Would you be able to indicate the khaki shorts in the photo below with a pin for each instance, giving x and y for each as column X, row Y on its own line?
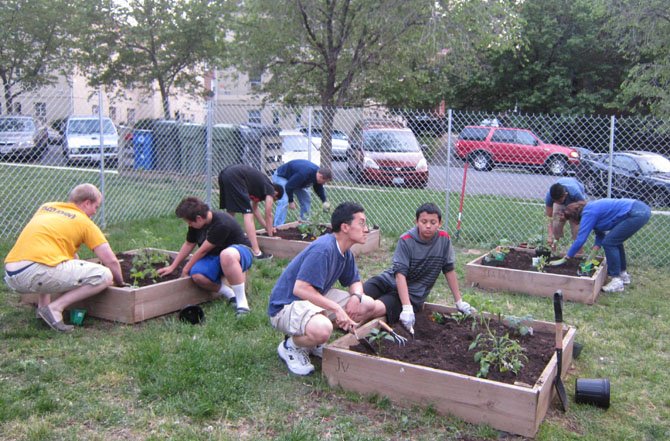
column 293, row 318
column 64, row 277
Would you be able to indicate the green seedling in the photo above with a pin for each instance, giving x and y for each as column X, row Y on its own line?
column 500, row 352
column 377, row 337
column 518, row 326
column 438, row 317
column 145, row 264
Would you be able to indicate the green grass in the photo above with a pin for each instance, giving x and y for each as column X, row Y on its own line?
column 163, row 379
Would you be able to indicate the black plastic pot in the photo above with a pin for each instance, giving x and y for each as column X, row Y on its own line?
column 594, row 391
column 546, row 252
column 192, row 314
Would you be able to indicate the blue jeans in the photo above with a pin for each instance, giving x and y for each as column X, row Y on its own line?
column 638, row 215
column 303, row 196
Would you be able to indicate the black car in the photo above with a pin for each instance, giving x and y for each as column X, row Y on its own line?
column 635, row 174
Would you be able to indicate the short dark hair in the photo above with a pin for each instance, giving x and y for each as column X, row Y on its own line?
column 326, row 173
column 279, row 190
column 190, row 208
column 557, row 191
column 429, row 208
column 344, row 214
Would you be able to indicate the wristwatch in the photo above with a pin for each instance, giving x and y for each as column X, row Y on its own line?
column 359, row 295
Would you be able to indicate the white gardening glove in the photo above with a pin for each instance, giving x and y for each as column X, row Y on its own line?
column 326, row 206
column 407, row 317
column 464, row 307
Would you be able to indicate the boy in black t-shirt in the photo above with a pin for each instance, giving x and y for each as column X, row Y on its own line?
column 223, row 255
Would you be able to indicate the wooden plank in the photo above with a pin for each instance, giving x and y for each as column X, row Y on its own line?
column 512, row 408
column 133, row 305
column 576, row 289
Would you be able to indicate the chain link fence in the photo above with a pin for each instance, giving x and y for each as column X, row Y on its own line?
column 391, row 161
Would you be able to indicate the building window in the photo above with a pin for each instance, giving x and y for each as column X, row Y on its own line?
column 255, row 77
column 275, row 117
column 254, row 116
column 112, row 113
column 41, row 111
column 131, row 117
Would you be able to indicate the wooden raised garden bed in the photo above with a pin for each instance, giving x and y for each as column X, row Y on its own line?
column 136, row 304
column 289, row 248
column 515, row 408
column 575, row 288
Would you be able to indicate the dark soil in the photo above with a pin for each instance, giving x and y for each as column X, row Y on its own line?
column 522, row 260
column 445, row 346
column 126, row 261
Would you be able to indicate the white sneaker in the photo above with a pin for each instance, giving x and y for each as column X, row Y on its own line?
column 296, row 359
column 615, row 285
column 625, row 277
column 317, row 351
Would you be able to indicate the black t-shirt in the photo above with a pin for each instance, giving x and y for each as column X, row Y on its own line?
column 223, row 232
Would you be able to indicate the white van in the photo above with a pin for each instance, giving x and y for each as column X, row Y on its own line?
column 294, row 146
column 84, row 135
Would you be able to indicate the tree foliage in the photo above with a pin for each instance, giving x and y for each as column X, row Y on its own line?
column 153, row 43
column 34, row 43
column 642, row 28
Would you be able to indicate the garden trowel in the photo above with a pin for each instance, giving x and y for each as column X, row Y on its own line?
column 558, row 317
column 364, row 341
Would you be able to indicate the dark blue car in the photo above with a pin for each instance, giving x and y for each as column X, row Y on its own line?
column 635, row 174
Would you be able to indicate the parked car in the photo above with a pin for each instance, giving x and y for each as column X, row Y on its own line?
column 339, row 141
column 635, row 174
column 485, row 146
column 387, row 153
column 294, row 146
column 84, row 136
column 22, row 138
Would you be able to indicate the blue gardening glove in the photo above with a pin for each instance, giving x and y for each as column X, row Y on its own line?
column 407, row 317
column 558, row 262
column 464, row 307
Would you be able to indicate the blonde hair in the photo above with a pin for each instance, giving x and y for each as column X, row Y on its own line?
column 84, row 192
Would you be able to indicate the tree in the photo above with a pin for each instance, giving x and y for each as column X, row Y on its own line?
column 642, row 29
column 148, row 43
column 566, row 62
column 323, row 51
column 34, row 44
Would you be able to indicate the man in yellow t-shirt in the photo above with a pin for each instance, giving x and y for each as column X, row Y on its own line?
column 44, row 257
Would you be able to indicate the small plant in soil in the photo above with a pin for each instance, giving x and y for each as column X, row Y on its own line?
column 541, row 263
column 517, row 324
column 438, row 317
column 496, row 351
column 144, row 265
column 313, row 227
column 376, row 338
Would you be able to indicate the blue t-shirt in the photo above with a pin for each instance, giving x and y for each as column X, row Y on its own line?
column 600, row 216
column 575, row 191
column 321, row 265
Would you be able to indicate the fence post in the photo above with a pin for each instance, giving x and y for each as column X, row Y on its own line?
column 448, row 172
column 103, row 221
column 208, row 152
column 609, row 169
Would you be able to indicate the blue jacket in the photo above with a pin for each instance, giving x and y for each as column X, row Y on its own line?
column 600, row 216
column 300, row 173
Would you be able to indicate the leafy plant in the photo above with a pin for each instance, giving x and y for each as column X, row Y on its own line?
column 517, row 324
column 500, row 352
column 438, row 317
column 541, row 263
column 504, row 246
column 377, row 337
column 315, row 226
column 145, row 263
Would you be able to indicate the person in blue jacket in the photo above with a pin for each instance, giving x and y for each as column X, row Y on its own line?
column 613, row 221
column 296, row 177
column 562, row 193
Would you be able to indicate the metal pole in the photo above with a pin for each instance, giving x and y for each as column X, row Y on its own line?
column 309, row 134
column 448, row 171
column 609, row 169
column 208, row 152
column 101, row 130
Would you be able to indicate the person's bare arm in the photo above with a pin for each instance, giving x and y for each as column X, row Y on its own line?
column 403, row 289
column 268, row 216
column 305, row 291
column 183, row 253
column 202, row 251
column 108, row 258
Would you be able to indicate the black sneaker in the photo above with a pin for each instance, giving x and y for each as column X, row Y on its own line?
column 263, row 256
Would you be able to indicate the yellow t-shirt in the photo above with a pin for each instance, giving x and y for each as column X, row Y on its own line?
column 54, row 235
